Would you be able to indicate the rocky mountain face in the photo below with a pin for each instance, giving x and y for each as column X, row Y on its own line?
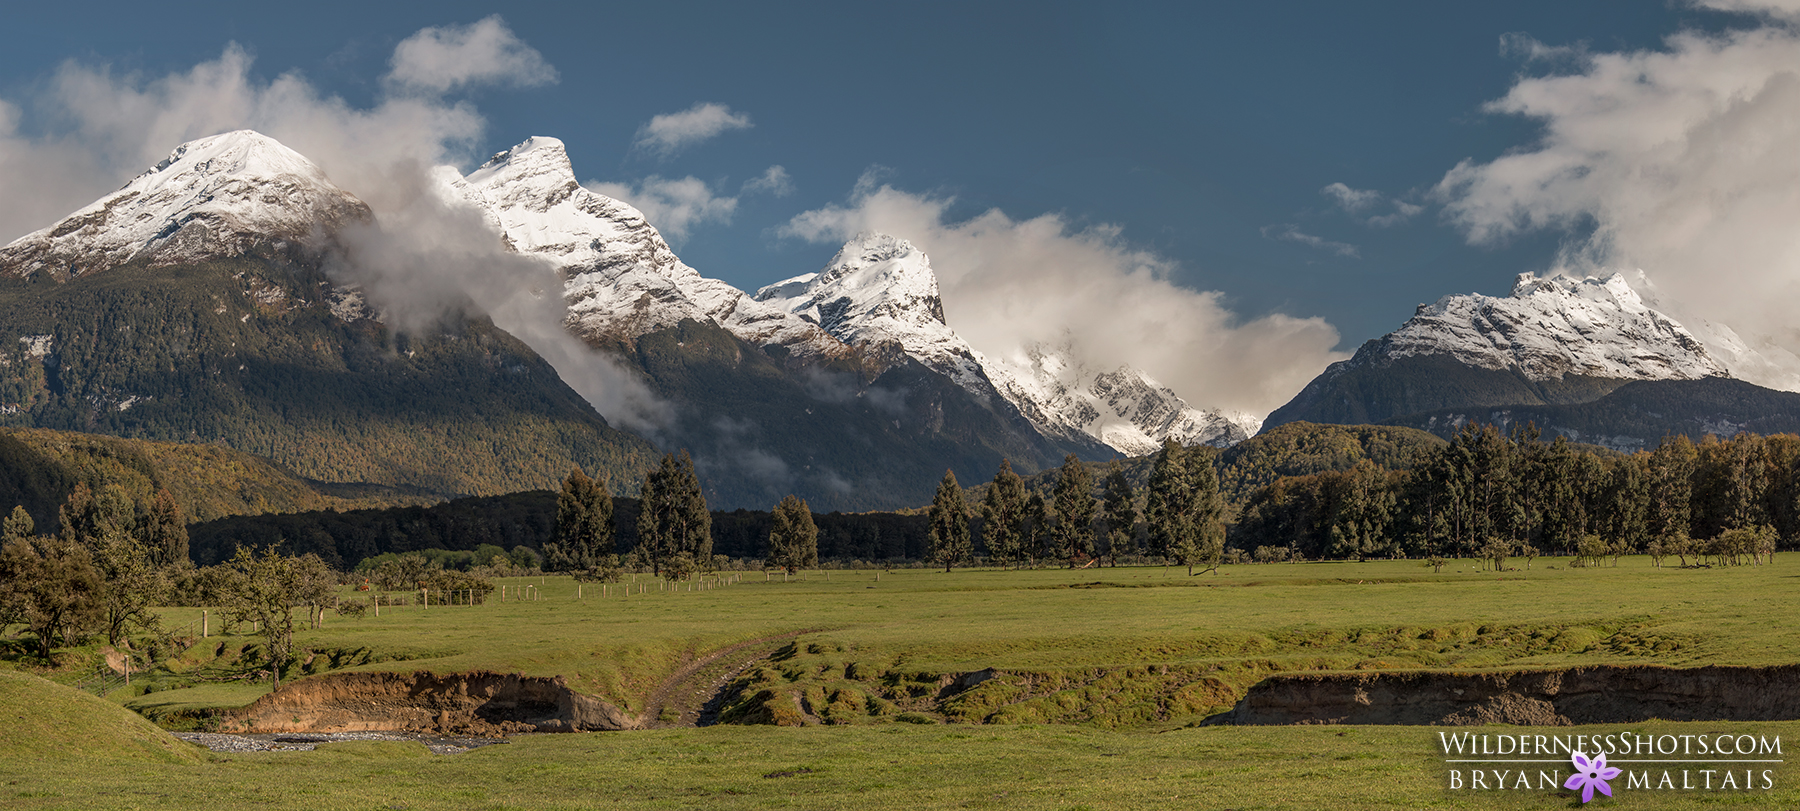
column 192, row 306
column 1553, row 341
column 879, row 294
column 621, row 279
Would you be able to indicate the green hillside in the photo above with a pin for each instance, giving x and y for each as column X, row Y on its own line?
column 39, row 468
column 247, row 353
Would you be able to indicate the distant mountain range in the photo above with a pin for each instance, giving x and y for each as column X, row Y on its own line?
column 194, row 305
column 1584, row 358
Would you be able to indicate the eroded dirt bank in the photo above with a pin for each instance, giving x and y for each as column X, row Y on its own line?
column 480, row 703
column 1585, row 695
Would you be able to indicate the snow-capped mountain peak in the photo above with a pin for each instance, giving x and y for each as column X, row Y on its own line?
column 621, row 279
column 1122, row 407
column 215, row 196
column 878, row 290
column 1551, row 327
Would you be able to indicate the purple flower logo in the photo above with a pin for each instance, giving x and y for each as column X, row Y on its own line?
column 1590, row 775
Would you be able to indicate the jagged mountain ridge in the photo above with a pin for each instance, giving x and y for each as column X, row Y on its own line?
column 880, row 291
column 621, row 278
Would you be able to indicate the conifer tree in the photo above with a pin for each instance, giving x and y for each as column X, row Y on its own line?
column 793, row 537
column 1034, row 534
column 949, row 521
column 1119, row 513
column 1208, row 511
column 1074, row 504
column 1003, row 515
column 164, row 531
column 673, row 522
column 584, row 531
column 1168, row 506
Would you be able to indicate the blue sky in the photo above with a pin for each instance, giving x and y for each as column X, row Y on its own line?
column 1206, row 133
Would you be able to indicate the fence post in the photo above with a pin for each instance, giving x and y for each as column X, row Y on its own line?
column 202, row 623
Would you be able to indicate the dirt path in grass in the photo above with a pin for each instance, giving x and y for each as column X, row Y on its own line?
column 695, row 692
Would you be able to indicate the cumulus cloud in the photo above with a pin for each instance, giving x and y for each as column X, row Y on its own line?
column 444, row 58
column 668, row 134
column 1683, row 160
column 774, row 181
column 99, row 128
column 1007, row 284
column 1289, row 232
column 1359, row 203
column 673, row 205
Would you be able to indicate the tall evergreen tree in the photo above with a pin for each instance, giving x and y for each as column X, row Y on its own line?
column 1003, row 515
column 1208, row 512
column 1073, row 500
column 1119, row 513
column 584, row 532
column 1168, row 506
column 949, row 520
column 164, row 532
column 674, row 526
column 1034, row 529
column 793, row 537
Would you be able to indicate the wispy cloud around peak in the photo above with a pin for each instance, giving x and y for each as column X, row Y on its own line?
column 668, row 134
column 673, row 205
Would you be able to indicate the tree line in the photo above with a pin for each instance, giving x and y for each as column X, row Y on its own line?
column 1182, row 516
column 1497, row 495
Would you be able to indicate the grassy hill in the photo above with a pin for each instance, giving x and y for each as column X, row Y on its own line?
column 261, row 355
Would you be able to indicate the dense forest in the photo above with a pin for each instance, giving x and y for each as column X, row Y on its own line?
column 1493, row 494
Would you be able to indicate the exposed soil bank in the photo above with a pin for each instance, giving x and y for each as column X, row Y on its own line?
column 1584, row 695
column 479, row 703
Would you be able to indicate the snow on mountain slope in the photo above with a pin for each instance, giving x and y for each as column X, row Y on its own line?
column 216, row 196
column 1123, row 408
column 880, row 290
column 1552, row 327
column 621, row 280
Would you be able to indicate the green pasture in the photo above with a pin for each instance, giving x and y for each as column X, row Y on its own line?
column 1107, row 672
column 900, row 766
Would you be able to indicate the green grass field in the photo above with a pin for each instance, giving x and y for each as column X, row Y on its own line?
column 1107, row 669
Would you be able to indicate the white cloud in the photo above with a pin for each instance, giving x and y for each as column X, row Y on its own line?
column 1289, row 232
column 444, row 58
column 668, row 134
column 1354, row 201
column 1682, row 160
column 1008, row 283
column 1359, row 202
column 673, row 205
column 774, row 181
